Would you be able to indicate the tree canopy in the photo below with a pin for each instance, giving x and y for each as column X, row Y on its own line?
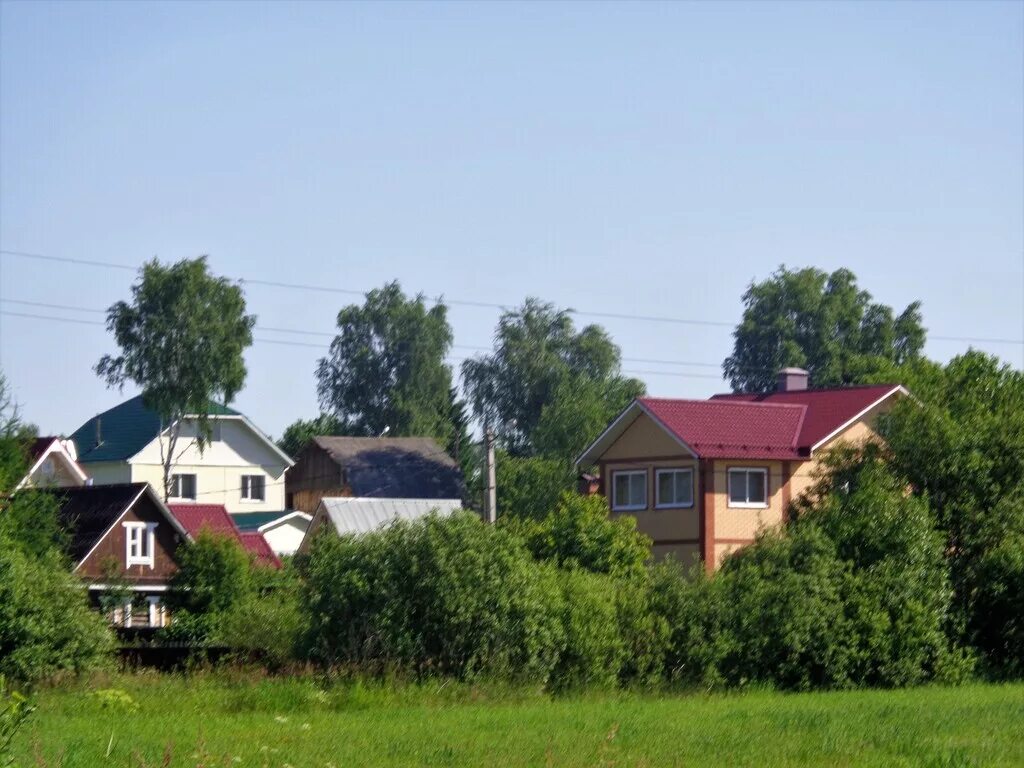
column 821, row 322
column 182, row 338
column 546, row 381
column 386, row 368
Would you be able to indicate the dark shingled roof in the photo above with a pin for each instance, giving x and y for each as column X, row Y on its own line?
column 395, row 467
column 124, row 430
column 87, row 512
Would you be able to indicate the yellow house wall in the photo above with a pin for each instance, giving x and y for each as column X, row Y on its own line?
column 645, row 446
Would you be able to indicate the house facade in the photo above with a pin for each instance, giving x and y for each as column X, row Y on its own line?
column 240, row 468
column 122, row 540
column 372, row 467
column 52, row 464
column 702, row 477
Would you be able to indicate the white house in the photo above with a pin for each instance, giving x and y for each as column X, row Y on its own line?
column 240, row 468
column 52, row 464
column 283, row 532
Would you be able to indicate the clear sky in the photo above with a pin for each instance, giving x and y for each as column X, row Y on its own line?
column 648, row 159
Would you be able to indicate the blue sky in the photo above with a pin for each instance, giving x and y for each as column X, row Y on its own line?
column 634, row 158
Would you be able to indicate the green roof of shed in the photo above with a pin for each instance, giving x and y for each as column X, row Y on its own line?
column 251, row 521
column 124, row 430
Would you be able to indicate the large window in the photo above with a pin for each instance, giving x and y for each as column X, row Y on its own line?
column 629, row 490
column 748, row 487
column 140, row 541
column 674, row 487
column 183, row 487
column 254, row 487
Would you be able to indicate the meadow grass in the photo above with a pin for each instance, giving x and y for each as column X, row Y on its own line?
column 216, row 720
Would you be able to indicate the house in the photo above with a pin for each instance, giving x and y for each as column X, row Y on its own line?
column 353, row 515
column 52, row 463
column 240, row 468
column 122, row 539
column 283, row 531
column 372, row 467
column 703, row 476
column 214, row 518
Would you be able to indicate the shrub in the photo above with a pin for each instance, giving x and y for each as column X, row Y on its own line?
column 46, row 625
column 268, row 622
column 592, row 649
column 529, row 488
column 643, row 631
column 439, row 596
column 579, row 533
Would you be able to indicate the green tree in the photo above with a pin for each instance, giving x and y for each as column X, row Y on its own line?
column 530, row 487
column 301, row 432
column 46, row 625
column 386, row 368
column 214, row 574
column 538, row 351
column 823, row 323
column 181, row 337
column 579, row 410
column 961, row 444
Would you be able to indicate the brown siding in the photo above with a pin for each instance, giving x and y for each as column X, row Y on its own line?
column 314, row 470
column 113, row 548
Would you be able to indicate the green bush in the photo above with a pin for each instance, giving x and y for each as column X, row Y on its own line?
column 448, row 596
column 579, row 533
column 268, row 622
column 46, row 624
column 592, row 649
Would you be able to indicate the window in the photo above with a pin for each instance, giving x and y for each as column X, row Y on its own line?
column 748, row 487
column 254, row 487
column 140, row 541
column 629, row 490
column 675, row 488
column 183, row 487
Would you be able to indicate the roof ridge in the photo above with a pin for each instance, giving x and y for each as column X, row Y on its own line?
column 713, row 401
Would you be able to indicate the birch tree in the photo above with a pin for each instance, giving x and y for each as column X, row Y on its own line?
column 181, row 338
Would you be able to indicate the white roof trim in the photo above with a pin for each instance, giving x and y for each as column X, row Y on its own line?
column 900, row 389
column 56, row 446
column 148, row 489
column 237, row 417
column 283, row 519
column 615, row 430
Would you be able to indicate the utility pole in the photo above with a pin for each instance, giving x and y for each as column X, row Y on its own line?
column 491, row 498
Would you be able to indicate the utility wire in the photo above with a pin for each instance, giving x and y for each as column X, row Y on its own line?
column 467, row 303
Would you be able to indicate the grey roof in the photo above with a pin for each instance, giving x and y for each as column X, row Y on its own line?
column 361, row 515
column 395, row 467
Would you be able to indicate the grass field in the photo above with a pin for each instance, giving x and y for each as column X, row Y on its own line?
column 152, row 720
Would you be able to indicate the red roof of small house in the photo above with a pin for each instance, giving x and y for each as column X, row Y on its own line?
column 257, row 546
column 214, row 518
column 39, row 446
column 197, row 517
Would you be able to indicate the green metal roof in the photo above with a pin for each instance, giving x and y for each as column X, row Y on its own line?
column 250, row 521
column 124, row 430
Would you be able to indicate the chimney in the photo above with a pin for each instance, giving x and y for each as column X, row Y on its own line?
column 792, row 380
column 99, row 431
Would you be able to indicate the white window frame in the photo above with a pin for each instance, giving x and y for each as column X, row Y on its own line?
column 763, row 471
column 628, row 473
column 247, row 489
column 143, row 534
column 176, row 486
column 658, row 503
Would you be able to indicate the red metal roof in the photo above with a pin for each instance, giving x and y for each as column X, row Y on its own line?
column 214, row 518
column 256, row 545
column 196, row 517
column 778, row 425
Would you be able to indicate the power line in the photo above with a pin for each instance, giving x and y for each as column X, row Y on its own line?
column 468, row 303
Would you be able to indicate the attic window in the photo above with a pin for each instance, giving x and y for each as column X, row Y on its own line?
column 140, row 541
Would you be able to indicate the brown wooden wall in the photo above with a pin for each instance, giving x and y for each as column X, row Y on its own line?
column 314, row 470
column 114, row 546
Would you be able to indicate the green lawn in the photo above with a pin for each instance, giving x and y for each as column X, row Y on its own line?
column 211, row 721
